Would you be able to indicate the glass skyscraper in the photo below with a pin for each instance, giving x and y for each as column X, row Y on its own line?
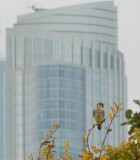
column 60, row 64
column 2, row 66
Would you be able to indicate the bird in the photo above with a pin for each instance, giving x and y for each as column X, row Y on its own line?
column 99, row 115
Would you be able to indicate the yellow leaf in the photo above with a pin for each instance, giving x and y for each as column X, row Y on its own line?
column 104, row 157
column 70, row 158
column 109, row 147
column 38, row 157
column 30, row 157
column 66, row 153
column 85, row 138
column 51, row 131
column 56, row 126
column 54, row 138
column 110, row 115
column 67, row 145
column 130, row 138
column 44, row 143
column 119, row 104
column 113, row 109
column 136, row 130
column 50, row 155
column 96, row 150
column 46, row 150
column 51, row 146
column 120, row 109
column 48, row 136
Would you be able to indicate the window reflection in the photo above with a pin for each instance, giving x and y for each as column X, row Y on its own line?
column 112, row 62
column 88, row 52
column 105, row 60
column 97, row 59
column 59, row 97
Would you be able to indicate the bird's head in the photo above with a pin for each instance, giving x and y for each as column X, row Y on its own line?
column 100, row 105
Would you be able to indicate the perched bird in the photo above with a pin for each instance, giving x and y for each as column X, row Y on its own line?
column 99, row 115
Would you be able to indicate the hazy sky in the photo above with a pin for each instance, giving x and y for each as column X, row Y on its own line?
column 128, row 32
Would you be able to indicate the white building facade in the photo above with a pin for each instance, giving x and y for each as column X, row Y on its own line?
column 60, row 64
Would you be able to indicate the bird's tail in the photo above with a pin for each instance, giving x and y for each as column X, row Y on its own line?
column 99, row 126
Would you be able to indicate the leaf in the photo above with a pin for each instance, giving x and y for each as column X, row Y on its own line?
column 124, row 123
column 30, row 157
column 56, row 126
column 38, row 158
column 113, row 109
column 130, row 138
column 51, row 131
column 66, row 153
column 50, row 155
column 104, row 157
column 137, row 101
column 96, row 150
column 67, row 145
column 109, row 130
column 109, row 147
column 131, row 130
column 119, row 105
column 44, row 143
column 128, row 113
column 85, row 138
column 110, row 115
column 120, row 109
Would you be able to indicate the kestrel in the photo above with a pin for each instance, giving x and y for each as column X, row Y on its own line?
column 99, row 115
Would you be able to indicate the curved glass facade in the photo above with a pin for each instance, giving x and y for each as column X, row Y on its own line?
column 60, row 97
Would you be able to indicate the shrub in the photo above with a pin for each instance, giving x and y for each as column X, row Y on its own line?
column 129, row 150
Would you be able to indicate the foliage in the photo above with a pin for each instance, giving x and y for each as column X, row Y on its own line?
column 133, row 119
column 125, row 151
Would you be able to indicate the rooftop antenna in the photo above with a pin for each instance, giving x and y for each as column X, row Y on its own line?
column 34, row 7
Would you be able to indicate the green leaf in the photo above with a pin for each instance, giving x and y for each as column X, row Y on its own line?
column 128, row 157
column 131, row 122
column 131, row 130
column 136, row 101
column 128, row 113
column 124, row 123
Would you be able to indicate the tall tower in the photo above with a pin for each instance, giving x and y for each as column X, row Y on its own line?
column 60, row 64
column 2, row 64
column 0, row 35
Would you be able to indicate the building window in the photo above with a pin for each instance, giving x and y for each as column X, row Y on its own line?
column 81, row 54
column 48, row 49
column 57, row 50
column 77, row 54
column 97, row 59
column 88, row 57
column 118, row 64
column 112, row 62
column 37, row 50
column 67, row 51
column 27, row 50
column 105, row 60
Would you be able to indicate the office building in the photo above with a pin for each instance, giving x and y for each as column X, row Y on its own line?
column 60, row 64
column 2, row 65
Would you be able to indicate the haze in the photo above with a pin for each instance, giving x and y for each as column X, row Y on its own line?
column 128, row 32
